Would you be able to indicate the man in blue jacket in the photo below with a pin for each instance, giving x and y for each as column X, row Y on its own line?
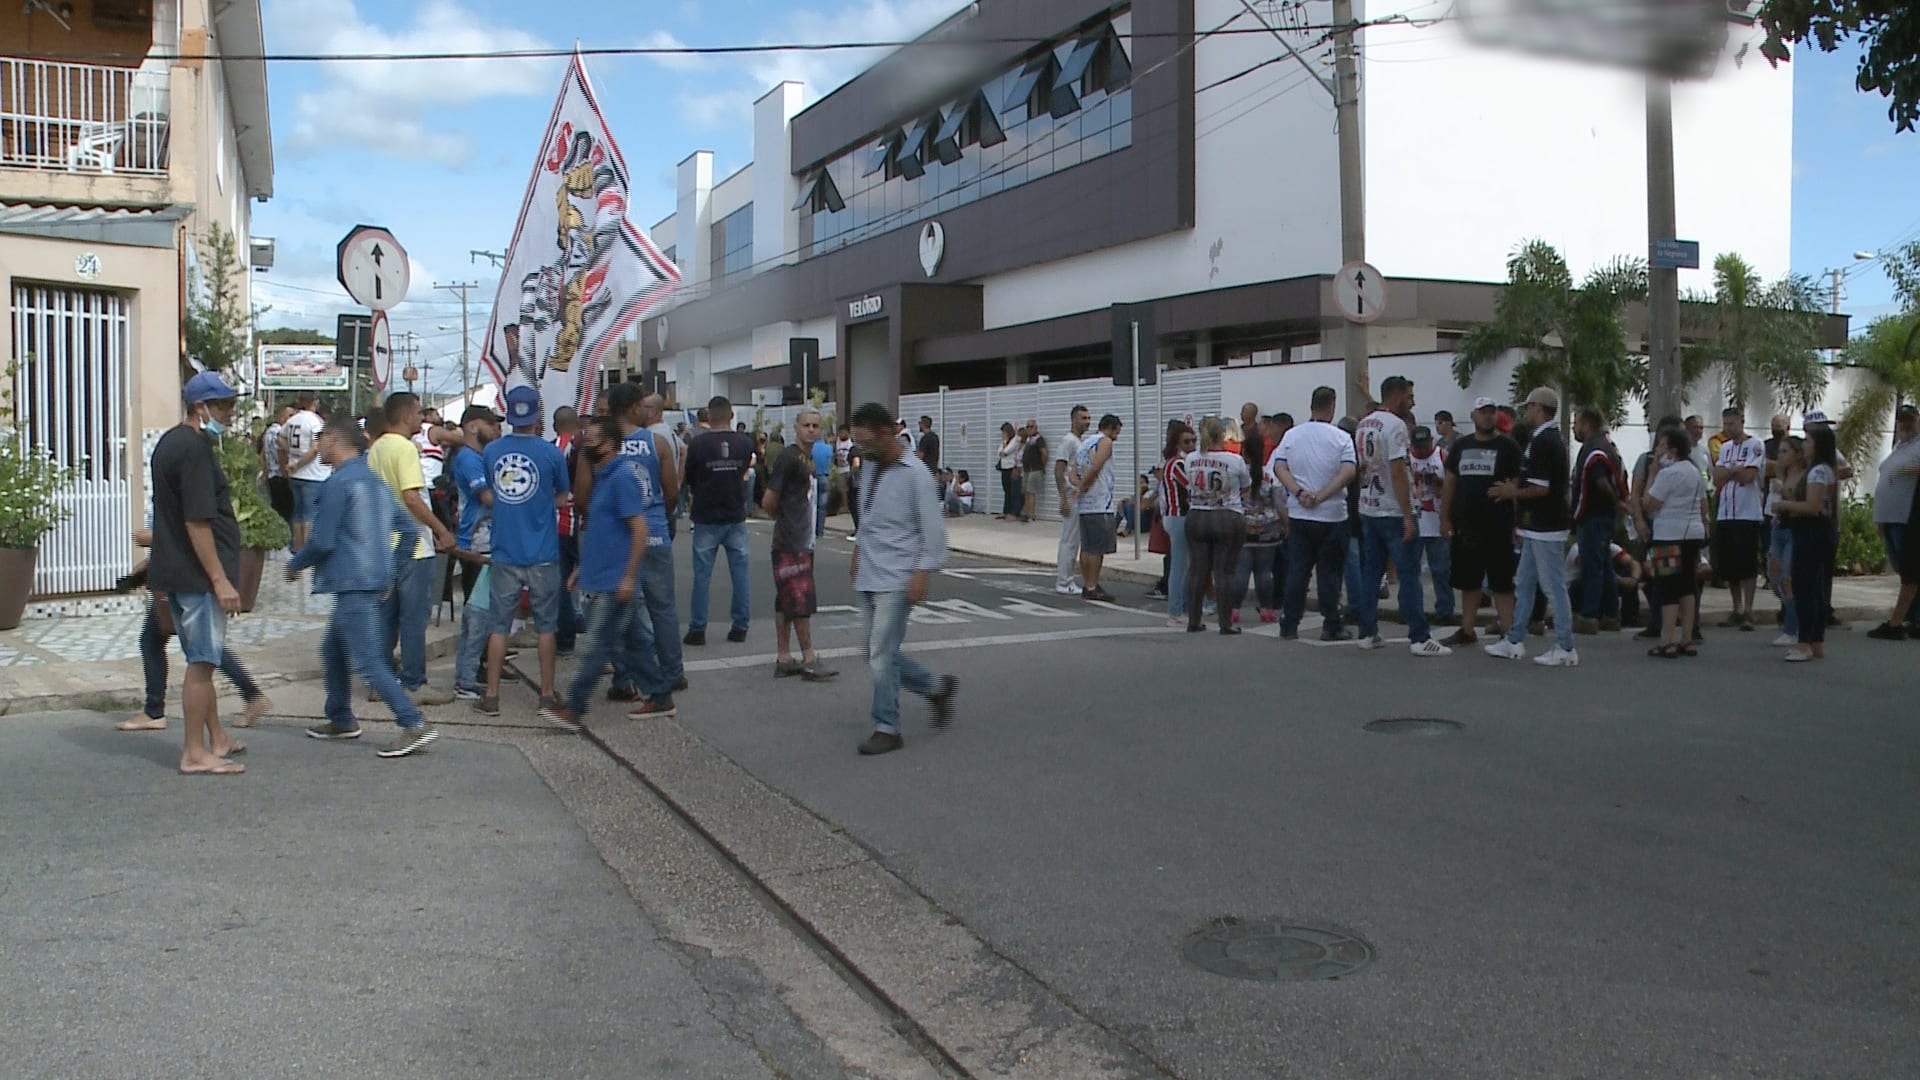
column 352, row 550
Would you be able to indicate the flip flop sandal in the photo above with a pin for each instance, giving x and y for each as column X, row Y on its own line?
column 1664, row 652
column 224, row 768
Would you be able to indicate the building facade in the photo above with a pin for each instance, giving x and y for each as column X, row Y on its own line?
column 123, row 139
column 970, row 222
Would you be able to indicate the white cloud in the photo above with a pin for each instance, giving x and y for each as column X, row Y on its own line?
column 662, row 39
column 387, row 107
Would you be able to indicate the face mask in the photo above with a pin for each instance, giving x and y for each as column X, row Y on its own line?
column 213, row 427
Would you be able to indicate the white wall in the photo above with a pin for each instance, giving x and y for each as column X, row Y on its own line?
column 733, row 193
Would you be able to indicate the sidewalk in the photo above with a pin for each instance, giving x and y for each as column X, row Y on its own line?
column 93, row 662
column 1857, row 599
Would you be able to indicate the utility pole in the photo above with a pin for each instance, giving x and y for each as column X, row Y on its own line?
column 498, row 259
column 1353, row 192
column 466, row 346
column 1663, row 285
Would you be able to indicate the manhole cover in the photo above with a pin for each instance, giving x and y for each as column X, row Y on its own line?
column 1414, row 725
column 1275, row 952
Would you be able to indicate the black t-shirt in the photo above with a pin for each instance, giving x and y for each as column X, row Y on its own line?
column 717, row 464
column 792, row 480
column 1544, row 462
column 1034, row 457
column 930, row 452
column 188, row 485
column 1477, row 466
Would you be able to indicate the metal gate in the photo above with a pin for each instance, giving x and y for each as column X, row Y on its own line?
column 71, row 398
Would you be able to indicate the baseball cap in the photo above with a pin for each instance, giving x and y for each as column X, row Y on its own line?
column 1504, row 425
column 523, row 406
column 1422, row 434
column 208, row 386
column 1909, row 409
column 1484, row 403
column 1815, row 417
column 1544, row 397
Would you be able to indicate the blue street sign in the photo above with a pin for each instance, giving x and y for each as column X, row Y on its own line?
column 1675, row 255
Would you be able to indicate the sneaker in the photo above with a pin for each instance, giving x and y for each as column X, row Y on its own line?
column 1210, row 609
column 330, row 732
column 1608, row 626
column 881, row 742
column 786, row 669
column 652, row 710
column 1268, row 615
column 1558, row 657
column 1462, row 637
column 942, row 701
column 853, row 536
column 425, row 695
column 1289, row 635
column 1505, row 650
column 1537, row 628
column 488, row 705
column 1888, row 632
column 1746, row 622
column 1586, row 627
column 1236, row 618
column 1071, row 588
column 680, row 685
column 1650, row 633
column 1731, row 622
column 1096, row 595
column 1177, row 622
column 622, row 693
column 737, row 635
column 462, row 693
column 1799, row 656
column 1335, row 633
column 411, row 740
column 1429, row 647
column 1156, row 594
column 817, row 672
column 373, row 696
column 561, row 718
column 1785, row 641
column 1371, row 643
column 694, row 637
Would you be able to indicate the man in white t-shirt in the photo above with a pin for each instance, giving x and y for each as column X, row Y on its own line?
column 1737, row 476
column 1313, row 464
column 1427, row 466
column 1389, row 521
column 304, row 465
column 1067, row 567
column 1091, row 477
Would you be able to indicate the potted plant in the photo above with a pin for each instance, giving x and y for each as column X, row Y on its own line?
column 262, row 529
column 29, row 480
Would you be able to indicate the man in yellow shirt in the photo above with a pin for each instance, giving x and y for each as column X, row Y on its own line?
column 395, row 459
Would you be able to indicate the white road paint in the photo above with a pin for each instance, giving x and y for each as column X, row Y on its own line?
column 732, row 663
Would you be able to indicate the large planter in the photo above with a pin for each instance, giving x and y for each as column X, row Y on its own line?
column 16, row 581
column 253, row 563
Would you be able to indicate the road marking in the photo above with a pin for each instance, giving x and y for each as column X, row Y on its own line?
column 732, row 663
column 1016, row 571
column 968, row 607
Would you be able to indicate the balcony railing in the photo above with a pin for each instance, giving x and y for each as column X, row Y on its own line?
column 83, row 117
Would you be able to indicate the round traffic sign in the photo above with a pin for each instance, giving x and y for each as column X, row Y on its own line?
column 382, row 349
column 1360, row 291
column 373, row 267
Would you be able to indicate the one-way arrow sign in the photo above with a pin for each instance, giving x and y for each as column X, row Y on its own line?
column 373, row 267
column 1361, row 292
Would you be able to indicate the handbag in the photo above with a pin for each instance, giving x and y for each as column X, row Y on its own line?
column 1663, row 560
column 1158, row 542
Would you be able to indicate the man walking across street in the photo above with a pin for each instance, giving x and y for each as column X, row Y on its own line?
column 1067, row 568
column 902, row 542
column 1389, row 523
column 1598, row 494
column 646, row 669
column 528, row 478
column 1738, row 471
column 790, row 501
column 196, row 559
column 305, row 467
column 1480, row 525
column 1313, row 464
column 396, row 460
column 352, row 552
column 1544, row 521
column 717, row 463
column 1092, row 478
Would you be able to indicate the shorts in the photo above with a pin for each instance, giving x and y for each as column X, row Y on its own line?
column 1036, row 482
column 1483, row 557
column 1736, row 550
column 200, row 625
column 1674, row 566
column 542, row 582
column 306, row 500
column 793, row 593
column 1099, row 534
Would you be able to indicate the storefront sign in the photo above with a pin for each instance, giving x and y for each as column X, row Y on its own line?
column 863, row 307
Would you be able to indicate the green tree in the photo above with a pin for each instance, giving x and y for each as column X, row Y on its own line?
column 1755, row 334
column 293, row 335
column 1888, row 357
column 219, row 328
column 1889, row 32
column 1573, row 338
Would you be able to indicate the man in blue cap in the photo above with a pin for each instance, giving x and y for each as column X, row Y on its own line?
column 196, row 559
column 527, row 478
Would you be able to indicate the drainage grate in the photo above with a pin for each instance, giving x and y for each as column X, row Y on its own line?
column 1272, row 951
column 1414, row 725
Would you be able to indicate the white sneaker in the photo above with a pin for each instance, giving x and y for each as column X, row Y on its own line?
column 1371, row 643
column 1071, row 588
column 1558, row 657
column 1429, row 647
column 1177, row 622
column 1506, row 650
column 1785, row 640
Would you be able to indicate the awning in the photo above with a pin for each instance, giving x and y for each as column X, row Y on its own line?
column 94, row 224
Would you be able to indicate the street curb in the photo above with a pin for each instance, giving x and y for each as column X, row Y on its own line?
column 1111, row 573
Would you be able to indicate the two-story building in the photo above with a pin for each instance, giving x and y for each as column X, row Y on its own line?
column 123, row 138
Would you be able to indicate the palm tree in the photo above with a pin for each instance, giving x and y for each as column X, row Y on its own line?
column 1889, row 356
column 1573, row 338
column 1756, row 335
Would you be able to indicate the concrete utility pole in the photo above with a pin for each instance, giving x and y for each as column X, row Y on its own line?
column 1353, row 192
column 466, row 345
column 1663, row 286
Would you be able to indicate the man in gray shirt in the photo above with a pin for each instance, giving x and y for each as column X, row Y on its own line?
column 902, row 542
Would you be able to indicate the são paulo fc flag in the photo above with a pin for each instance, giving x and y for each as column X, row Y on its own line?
column 579, row 272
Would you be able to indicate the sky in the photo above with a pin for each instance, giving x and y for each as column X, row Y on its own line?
column 440, row 152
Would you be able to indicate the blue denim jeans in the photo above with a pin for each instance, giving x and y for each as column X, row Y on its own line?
column 570, row 618
column 640, row 640
column 1176, row 566
column 405, row 618
column 153, row 665
column 1257, row 562
column 609, row 629
column 819, row 505
column 1382, row 537
column 475, row 627
column 886, row 628
column 656, row 581
column 1780, row 572
column 1543, row 566
column 352, row 645
column 707, row 541
column 1599, row 591
column 1318, row 548
column 1439, row 554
